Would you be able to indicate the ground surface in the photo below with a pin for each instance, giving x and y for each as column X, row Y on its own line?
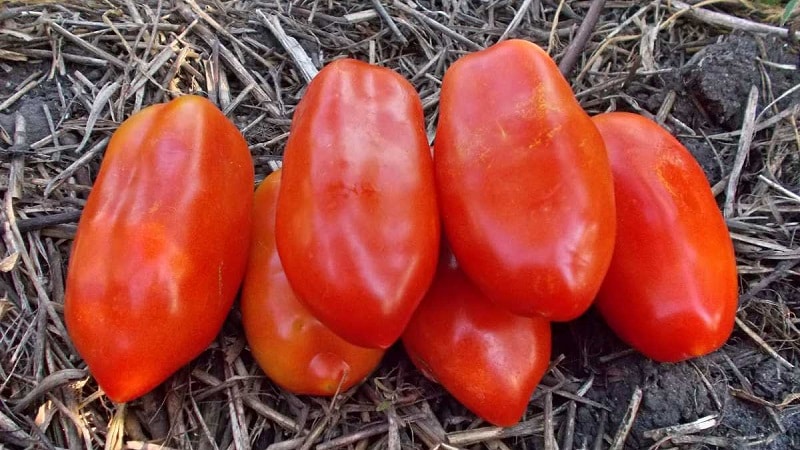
column 86, row 66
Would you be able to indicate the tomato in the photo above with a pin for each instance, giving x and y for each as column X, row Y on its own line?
column 161, row 246
column 488, row 358
column 524, row 182
column 293, row 348
column 357, row 226
column 671, row 290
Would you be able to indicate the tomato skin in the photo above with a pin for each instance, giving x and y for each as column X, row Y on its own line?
column 671, row 290
column 357, row 225
column 489, row 359
column 524, row 182
column 293, row 348
column 161, row 246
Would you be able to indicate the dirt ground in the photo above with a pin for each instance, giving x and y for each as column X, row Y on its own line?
column 83, row 67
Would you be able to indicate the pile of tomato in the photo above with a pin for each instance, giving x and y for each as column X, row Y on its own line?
column 525, row 211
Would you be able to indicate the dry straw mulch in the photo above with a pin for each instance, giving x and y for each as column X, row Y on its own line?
column 72, row 71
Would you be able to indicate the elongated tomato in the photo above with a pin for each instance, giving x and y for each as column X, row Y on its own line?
column 523, row 181
column 293, row 348
column 671, row 291
column 488, row 358
column 161, row 246
column 357, row 226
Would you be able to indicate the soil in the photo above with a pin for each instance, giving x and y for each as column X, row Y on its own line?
column 751, row 395
column 676, row 393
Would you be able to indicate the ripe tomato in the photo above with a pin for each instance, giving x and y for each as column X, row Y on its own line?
column 524, row 182
column 357, row 226
column 292, row 347
column 161, row 246
column 488, row 358
column 671, row 290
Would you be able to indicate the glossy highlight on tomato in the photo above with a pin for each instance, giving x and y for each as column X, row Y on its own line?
column 357, row 225
column 524, row 182
column 161, row 246
column 293, row 348
column 489, row 359
column 671, row 290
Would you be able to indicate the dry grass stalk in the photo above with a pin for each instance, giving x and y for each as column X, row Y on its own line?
column 627, row 421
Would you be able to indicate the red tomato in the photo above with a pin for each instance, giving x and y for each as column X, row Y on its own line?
column 488, row 358
column 671, row 291
column 292, row 347
column 357, row 224
column 161, row 246
column 524, row 182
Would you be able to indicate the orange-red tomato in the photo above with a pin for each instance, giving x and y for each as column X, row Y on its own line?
column 488, row 358
column 524, row 182
column 357, row 227
column 293, row 348
column 671, row 291
column 161, row 246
